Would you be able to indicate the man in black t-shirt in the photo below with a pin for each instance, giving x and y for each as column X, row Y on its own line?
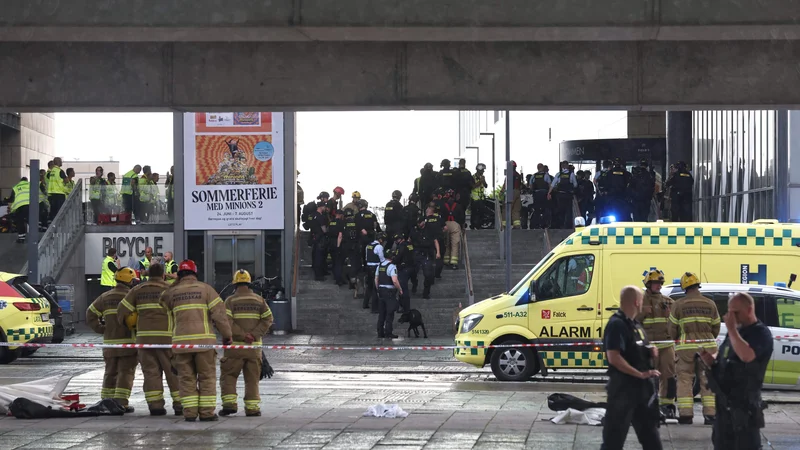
column 739, row 368
column 632, row 396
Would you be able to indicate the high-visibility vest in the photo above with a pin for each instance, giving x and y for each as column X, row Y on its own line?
column 168, row 269
column 148, row 191
column 55, row 185
column 110, row 195
column 477, row 192
column 96, row 189
column 145, row 265
column 126, row 183
column 22, row 195
column 69, row 185
column 106, row 275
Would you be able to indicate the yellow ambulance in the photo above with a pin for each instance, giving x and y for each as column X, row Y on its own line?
column 569, row 295
column 24, row 315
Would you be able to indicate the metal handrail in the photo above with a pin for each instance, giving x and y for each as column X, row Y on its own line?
column 63, row 233
column 468, row 268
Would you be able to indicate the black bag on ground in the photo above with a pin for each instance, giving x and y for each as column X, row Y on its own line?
column 562, row 402
column 22, row 408
column 266, row 369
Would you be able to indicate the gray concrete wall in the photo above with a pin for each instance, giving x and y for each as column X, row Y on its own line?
column 647, row 124
column 34, row 140
column 420, row 75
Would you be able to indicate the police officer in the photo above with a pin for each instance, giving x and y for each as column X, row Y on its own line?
column 374, row 256
column 631, row 390
column 388, row 287
column 410, row 214
column 618, row 180
column 335, row 237
column 693, row 317
column 641, row 188
column 427, row 250
column 516, row 201
column 318, row 226
column 477, row 195
column 120, row 362
column 195, row 307
column 737, row 375
column 352, row 248
column 655, row 320
column 250, row 319
column 681, row 184
column 427, row 184
column 601, row 183
column 406, row 269
column 454, row 222
column 435, row 221
column 564, row 185
column 367, row 224
column 446, row 178
column 463, row 184
column 153, row 326
column 393, row 215
column 585, row 195
column 540, row 187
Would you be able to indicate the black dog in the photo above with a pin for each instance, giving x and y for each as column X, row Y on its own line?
column 414, row 319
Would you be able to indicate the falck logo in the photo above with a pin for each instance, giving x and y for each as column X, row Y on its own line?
column 3, row 304
column 546, row 314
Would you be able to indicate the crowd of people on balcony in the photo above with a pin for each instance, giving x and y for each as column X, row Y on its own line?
column 136, row 198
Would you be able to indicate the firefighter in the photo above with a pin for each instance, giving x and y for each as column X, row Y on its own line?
column 454, row 222
column 141, row 307
column 250, row 319
column 693, row 317
column 478, row 195
column 193, row 306
column 120, row 362
column 655, row 320
column 367, row 225
column 353, row 205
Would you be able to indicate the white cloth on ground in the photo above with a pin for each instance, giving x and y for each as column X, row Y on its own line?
column 592, row 416
column 45, row 391
column 392, row 411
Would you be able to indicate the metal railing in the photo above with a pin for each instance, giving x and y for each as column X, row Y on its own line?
column 468, row 268
column 55, row 246
column 155, row 210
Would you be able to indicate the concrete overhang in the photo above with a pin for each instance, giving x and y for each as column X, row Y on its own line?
column 396, row 20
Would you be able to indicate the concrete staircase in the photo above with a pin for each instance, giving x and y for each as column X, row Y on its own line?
column 488, row 269
column 326, row 309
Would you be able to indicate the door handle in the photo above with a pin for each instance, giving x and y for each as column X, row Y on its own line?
column 585, row 308
column 612, row 308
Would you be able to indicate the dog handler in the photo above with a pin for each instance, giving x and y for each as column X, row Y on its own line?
column 388, row 287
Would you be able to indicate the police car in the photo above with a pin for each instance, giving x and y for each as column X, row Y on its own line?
column 779, row 308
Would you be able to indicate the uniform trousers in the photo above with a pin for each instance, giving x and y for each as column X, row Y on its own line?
column 157, row 364
column 386, row 309
column 625, row 409
column 686, row 368
column 453, row 236
column 666, row 365
column 725, row 437
column 230, row 368
column 197, row 374
column 370, row 294
column 118, row 377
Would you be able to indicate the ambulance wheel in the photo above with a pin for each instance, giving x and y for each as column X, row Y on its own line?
column 7, row 356
column 28, row 351
column 513, row 363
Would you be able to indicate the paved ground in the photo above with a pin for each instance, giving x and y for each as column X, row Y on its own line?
column 317, row 400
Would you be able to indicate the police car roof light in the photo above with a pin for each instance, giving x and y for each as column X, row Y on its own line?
column 780, row 284
column 608, row 219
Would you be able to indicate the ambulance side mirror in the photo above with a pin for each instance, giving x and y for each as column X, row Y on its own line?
column 532, row 290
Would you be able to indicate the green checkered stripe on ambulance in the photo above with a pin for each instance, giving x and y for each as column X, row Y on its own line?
column 574, row 359
column 470, row 351
column 661, row 235
column 26, row 334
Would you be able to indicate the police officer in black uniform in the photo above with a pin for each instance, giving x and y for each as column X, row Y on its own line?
column 618, row 180
column 446, row 178
column 374, row 255
column 601, row 205
column 388, row 286
column 463, row 184
column 427, row 183
column 318, row 225
column 426, row 250
column 641, row 189
column 352, row 245
column 681, row 184
column 540, row 186
column 436, row 221
column 336, row 246
column 564, row 185
column 632, row 393
column 410, row 214
column 367, row 224
column 585, row 194
column 406, row 269
column 736, row 376
column 393, row 215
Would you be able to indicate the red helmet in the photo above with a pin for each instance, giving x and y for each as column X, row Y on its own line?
column 339, row 190
column 187, row 264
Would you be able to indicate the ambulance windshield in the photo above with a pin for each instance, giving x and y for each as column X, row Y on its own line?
column 525, row 281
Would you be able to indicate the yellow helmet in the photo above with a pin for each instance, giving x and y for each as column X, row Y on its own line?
column 132, row 320
column 125, row 275
column 356, row 194
column 688, row 280
column 241, row 276
column 653, row 275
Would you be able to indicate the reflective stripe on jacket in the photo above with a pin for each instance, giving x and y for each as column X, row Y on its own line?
column 105, row 307
column 154, row 325
column 106, row 275
column 22, row 195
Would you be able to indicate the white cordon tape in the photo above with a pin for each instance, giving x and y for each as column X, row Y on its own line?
column 360, row 348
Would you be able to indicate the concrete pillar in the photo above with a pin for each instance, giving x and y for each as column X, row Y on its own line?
column 788, row 192
column 679, row 137
column 647, row 124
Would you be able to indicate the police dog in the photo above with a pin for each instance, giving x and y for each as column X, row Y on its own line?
column 414, row 319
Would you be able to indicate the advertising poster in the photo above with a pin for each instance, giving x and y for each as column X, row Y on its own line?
column 233, row 166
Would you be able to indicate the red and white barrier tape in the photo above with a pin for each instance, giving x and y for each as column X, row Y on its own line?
column 596, row 345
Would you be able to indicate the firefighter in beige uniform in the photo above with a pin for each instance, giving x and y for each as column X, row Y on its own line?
column 693, row 317
column 655, row 321
column 250, row 319
column 120, row 362
column 193, row 305
column 153, row 326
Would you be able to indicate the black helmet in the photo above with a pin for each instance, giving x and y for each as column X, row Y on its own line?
column 349, row 212
column 363, row 203
column 480, row 167
column 617, row 160
column 428, row 166
column 445, row 163
column 321, row 204
column 413, row 198
column 389, row 254
column 397, row 195
column 398, row 236
column 380, row 236
column 323, row 194
column 643, row 163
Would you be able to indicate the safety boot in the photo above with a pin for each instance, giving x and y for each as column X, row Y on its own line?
column 213, row 418
column 414, row 288
column 158, row 412
column 252, row 413
column 355, row 286
column 709, row 420
column 426, row 292
column 178, row 411
column 227, row 412
column 685, row 420
column 129, row 409
column 668, row 411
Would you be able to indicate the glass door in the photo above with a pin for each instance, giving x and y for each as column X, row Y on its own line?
column 231, row 252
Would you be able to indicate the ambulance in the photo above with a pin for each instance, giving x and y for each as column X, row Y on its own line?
column 567, row 298
column 24, row 316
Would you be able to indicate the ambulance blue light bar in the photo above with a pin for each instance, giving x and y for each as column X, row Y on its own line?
column 607, row 219
column 780, row 284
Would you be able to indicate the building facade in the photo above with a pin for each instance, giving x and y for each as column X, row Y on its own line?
column 23, row 137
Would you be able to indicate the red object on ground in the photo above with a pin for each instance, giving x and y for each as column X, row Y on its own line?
column 103, row 219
